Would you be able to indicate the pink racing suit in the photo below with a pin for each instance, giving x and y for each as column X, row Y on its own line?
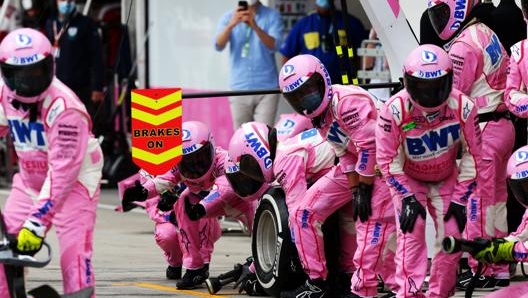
column 58, row 182
column 291, row 124
column 480, row 71
column 165, row 232
column 417, row 156
column 348, row 125
column 515, row 95
column 196, row 239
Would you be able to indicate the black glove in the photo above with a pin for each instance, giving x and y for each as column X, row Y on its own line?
column 172, row 218
column 411, row 208
column 194, row 211
column 459, row 212
column 362, row 201
column 134, row 193
column 167, row 200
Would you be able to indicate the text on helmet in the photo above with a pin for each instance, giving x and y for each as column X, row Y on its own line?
column 460, row 14
column 260, row 150
column 24, row 60
column 294, row 85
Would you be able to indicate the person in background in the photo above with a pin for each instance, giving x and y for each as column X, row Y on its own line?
column 78, row 54
column 253, row 32
column 59, row 160
column 314, row 34
column 35, row 13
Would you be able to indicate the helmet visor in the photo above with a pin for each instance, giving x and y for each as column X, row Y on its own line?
column 251, row 167
column 28, row 80
column 243, row 185
column 429, row 93
column 308, row 97
column 439, row 16
column 519, row 188
column 196, row 164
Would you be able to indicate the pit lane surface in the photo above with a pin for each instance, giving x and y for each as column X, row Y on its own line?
column 128, row 263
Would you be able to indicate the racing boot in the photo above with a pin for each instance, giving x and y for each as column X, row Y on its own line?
column 173, row 272
column 193, row 279
column 313, row 288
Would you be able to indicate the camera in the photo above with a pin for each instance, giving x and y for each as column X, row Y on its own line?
column 242, row 5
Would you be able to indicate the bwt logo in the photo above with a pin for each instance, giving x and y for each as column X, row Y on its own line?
column 288, row 124
column 260, row 150
column 187, row 150
column 27, row 133
column 294, row 85
column 26, row 60
column 186, row 135
column 23, row 40
column 429, row 57
column 434, row 140
column 430, row 74
column 459, row 14
column 521, row 156
column 288, row 70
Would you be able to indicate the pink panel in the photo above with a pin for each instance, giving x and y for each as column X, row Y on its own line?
column 214, row 112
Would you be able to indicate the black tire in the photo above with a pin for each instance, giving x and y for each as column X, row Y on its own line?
column 277, row 264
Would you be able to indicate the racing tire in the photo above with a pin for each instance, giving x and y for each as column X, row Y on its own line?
column 275, row 257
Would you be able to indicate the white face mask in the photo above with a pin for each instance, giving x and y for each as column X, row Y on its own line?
column 252, row 2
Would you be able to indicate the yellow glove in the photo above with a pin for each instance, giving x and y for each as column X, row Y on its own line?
column 30, row 237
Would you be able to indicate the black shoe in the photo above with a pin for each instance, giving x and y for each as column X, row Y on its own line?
column 501, row 283
column 463, row 280
column 351, row 295
column 173, row 272
column 388, row 295
column 315, row 288
column 193, row 279
column 483, row 283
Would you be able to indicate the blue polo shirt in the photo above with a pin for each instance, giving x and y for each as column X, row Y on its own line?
column 309, row 34
column 253, row 65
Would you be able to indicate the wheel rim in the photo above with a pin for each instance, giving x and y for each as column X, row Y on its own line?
column 267, row 240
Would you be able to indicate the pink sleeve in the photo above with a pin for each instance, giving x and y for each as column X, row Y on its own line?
column 465, row 66
column 515, row 95
column 221, row 195
column 471, row 151
column 67, row 143
column 390, row 154
column 359, row 117
column 291, row 175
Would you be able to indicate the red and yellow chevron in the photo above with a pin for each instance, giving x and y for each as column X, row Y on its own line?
column 156, row 129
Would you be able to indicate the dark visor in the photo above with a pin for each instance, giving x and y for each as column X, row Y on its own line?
column 308, row 97
column 519, row 188
column 243, row 185
column 28, row 80
column 250, row 167
column 439, row 16
column 196, row 164
column 429, row 93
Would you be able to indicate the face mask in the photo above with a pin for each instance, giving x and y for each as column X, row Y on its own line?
column 252, row 2
column 66, row 7
column 322, row 3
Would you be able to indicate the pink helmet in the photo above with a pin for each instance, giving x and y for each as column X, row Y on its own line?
column 198, row 149
column 305, row 84
column 517, row 172
column 290, row 124
column 428, row 77
column 243, row 185
column 26, row 64
column 447, row 16
column 252, row 149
